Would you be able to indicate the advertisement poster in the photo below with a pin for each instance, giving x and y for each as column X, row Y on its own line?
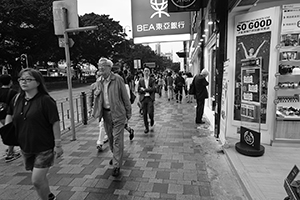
column 224, row 103
column 251, row 90
column 253, row 33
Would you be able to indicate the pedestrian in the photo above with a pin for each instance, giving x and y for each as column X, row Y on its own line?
column 170, row 83
column 201, row 94
column 137, row 79
column 160, row 83
column 113, row 105
column 102, row 137
column 146, row 89
column 6, row 96
column 124, row 74
column 179, row 85
column 188, row 82
column 36, row 119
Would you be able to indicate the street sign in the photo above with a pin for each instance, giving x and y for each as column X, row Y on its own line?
column 61, row 42
column 149, row 64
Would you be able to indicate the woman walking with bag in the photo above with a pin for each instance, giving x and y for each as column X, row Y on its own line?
column 35, row 117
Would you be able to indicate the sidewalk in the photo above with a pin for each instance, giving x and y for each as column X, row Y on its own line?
column 263, row 177
column 164, row 164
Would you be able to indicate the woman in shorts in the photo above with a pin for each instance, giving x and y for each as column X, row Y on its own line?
column 36, row 119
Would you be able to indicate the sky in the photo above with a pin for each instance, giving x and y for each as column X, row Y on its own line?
column 120, row 10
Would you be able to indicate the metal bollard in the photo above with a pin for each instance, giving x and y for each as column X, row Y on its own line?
column 84, row 108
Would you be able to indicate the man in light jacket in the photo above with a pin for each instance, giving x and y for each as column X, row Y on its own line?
column 113, row 105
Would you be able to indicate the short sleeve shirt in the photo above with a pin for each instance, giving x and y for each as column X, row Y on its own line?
column 34, row 121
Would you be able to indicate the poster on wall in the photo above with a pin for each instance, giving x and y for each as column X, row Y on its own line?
column 253, row 32
column 224, row 103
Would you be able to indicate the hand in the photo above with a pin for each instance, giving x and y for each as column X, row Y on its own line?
column 58, row 151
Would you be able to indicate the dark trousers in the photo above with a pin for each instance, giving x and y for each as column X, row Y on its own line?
column 148, row 109
column 178, row 94
column 199, row 110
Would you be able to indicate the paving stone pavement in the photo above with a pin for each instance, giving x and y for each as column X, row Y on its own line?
column 164, row 164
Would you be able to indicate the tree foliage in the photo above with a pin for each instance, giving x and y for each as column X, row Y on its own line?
column 26, row 27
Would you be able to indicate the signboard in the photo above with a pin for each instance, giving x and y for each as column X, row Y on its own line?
column 149, row 64
column 71, row 6
column 152, row 23
column 137, row 64
column 186, row 6
column 253, row 33
column 251, row 84
column 250, row 138
column 290, row 18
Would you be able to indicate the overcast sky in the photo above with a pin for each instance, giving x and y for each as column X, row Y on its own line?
column 120, row 10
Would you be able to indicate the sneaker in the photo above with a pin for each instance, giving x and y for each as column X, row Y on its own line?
column 10, row 158
column 51, row 196
column 99, row 147
column 146, row 131
column 131, row 134
column 116, row 171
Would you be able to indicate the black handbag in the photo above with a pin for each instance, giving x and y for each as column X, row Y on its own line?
column 8, row 135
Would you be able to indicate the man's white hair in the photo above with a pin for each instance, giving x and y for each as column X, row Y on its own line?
column 105, row 62
column 204, row 72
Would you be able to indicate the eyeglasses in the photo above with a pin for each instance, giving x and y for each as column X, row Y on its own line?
column 27, row 80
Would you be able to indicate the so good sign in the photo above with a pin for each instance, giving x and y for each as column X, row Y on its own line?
column 254, row 25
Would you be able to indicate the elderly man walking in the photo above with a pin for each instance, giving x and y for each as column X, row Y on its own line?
column 113, row 105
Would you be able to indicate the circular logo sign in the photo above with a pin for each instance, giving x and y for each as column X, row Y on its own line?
column 183, row 4
column 249, row 138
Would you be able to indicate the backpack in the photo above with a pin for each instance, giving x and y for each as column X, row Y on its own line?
column 4, row 106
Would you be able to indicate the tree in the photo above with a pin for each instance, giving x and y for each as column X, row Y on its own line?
column 103, row 42
column 27, row 28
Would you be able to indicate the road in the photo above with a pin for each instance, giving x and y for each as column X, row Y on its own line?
column 60, row 95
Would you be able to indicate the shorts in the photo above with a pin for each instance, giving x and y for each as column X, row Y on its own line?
column 43, row 159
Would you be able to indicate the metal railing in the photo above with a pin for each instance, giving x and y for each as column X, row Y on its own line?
column 80, row 111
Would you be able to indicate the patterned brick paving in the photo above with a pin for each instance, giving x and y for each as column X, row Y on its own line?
column 163, row 164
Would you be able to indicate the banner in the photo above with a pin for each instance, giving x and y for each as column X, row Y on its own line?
column 152, row 23
column 253, row 33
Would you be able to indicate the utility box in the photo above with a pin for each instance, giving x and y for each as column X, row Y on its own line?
column 72, row 15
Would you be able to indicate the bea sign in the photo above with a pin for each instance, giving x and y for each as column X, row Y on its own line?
column 151, row 18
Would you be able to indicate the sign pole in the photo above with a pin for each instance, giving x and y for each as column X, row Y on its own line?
column 69, row 73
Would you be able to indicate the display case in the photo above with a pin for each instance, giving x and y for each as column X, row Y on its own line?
column 288, row 89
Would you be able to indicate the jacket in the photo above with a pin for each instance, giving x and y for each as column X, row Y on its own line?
column 119, row 102
column 151, row 88
column 200, row 84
